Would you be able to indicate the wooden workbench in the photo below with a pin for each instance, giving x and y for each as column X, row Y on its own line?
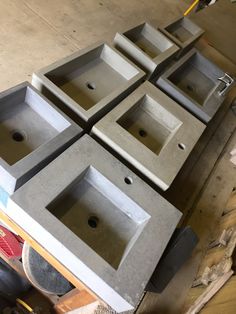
column 206, row 180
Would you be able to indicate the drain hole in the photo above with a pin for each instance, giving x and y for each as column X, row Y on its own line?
column 93, row 222
column 142, row 133
column 181, row 146
column 91, row 85
column 18, row 136
column 176, row 36
column 128, row 180
column 190, row 88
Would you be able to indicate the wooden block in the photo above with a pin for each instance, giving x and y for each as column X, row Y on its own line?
column 97, row 307
column 73, row 300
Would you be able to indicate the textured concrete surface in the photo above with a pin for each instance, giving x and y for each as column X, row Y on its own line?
column 194, row 82
column 32, row 132
column 91, row 81
column 183, row 32
column 152, row 132
column 147, row 47
column 112, row 227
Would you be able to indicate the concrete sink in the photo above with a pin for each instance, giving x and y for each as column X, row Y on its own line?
column 109, row 224
column 147, row 47
column 151, row 132
column 32, row 133
column 183, row 32
column 197, row 84
column 89, row 82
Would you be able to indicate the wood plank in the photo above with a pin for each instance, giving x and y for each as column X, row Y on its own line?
column 213, row 288
column 223, row 302
column 213, row 257
column 73, row 300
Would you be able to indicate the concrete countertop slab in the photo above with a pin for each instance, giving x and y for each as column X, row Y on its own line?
column 152, row 132
column 98, row 219
column 197, row 84
column 32, row 133
column 90, row 82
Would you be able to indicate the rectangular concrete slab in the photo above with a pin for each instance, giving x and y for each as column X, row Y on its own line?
column 183, row 32
column 152, row 132
column 197, row 84
column 147, row 47
column 110, row 225
column 89, row 82
column 32, row 132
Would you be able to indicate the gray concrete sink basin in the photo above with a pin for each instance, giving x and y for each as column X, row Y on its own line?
column 111, row 226
column 90, row 81
column 183, row 32
column 197, row 84
column 147, row 47
column 151, row 132
column 32, row 132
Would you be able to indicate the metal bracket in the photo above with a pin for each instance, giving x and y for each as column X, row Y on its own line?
column 228, row 81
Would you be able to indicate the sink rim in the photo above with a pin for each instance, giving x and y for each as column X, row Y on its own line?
column 13, row 176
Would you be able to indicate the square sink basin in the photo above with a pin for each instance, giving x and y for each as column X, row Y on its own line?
column 152, row 132
column 32, row 133
column 183, row 32
column 147, row 47
column 108, row 223
column 197, row 84
column 89, row 82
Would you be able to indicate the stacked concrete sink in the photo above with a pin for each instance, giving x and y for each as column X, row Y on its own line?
column 183, row 32
column 197, row 84
column 151, row 132
column 147, row 47
column 110, row 225
column 90, row 82
column 32, row 132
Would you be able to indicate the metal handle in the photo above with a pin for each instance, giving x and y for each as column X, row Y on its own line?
column 228, row 81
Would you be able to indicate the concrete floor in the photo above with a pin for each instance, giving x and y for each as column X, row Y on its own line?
column 35, row 33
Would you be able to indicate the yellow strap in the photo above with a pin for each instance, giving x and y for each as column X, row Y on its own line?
column 26, row 306
column 191, row 7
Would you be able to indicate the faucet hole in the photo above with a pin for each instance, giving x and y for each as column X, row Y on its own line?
column 17, row 136
column 93, row 222
column 142, row 133
column 181, row 146
column 91, row 85
column 128, row 180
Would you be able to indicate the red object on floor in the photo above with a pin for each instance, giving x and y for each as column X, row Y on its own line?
column 10, row 245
